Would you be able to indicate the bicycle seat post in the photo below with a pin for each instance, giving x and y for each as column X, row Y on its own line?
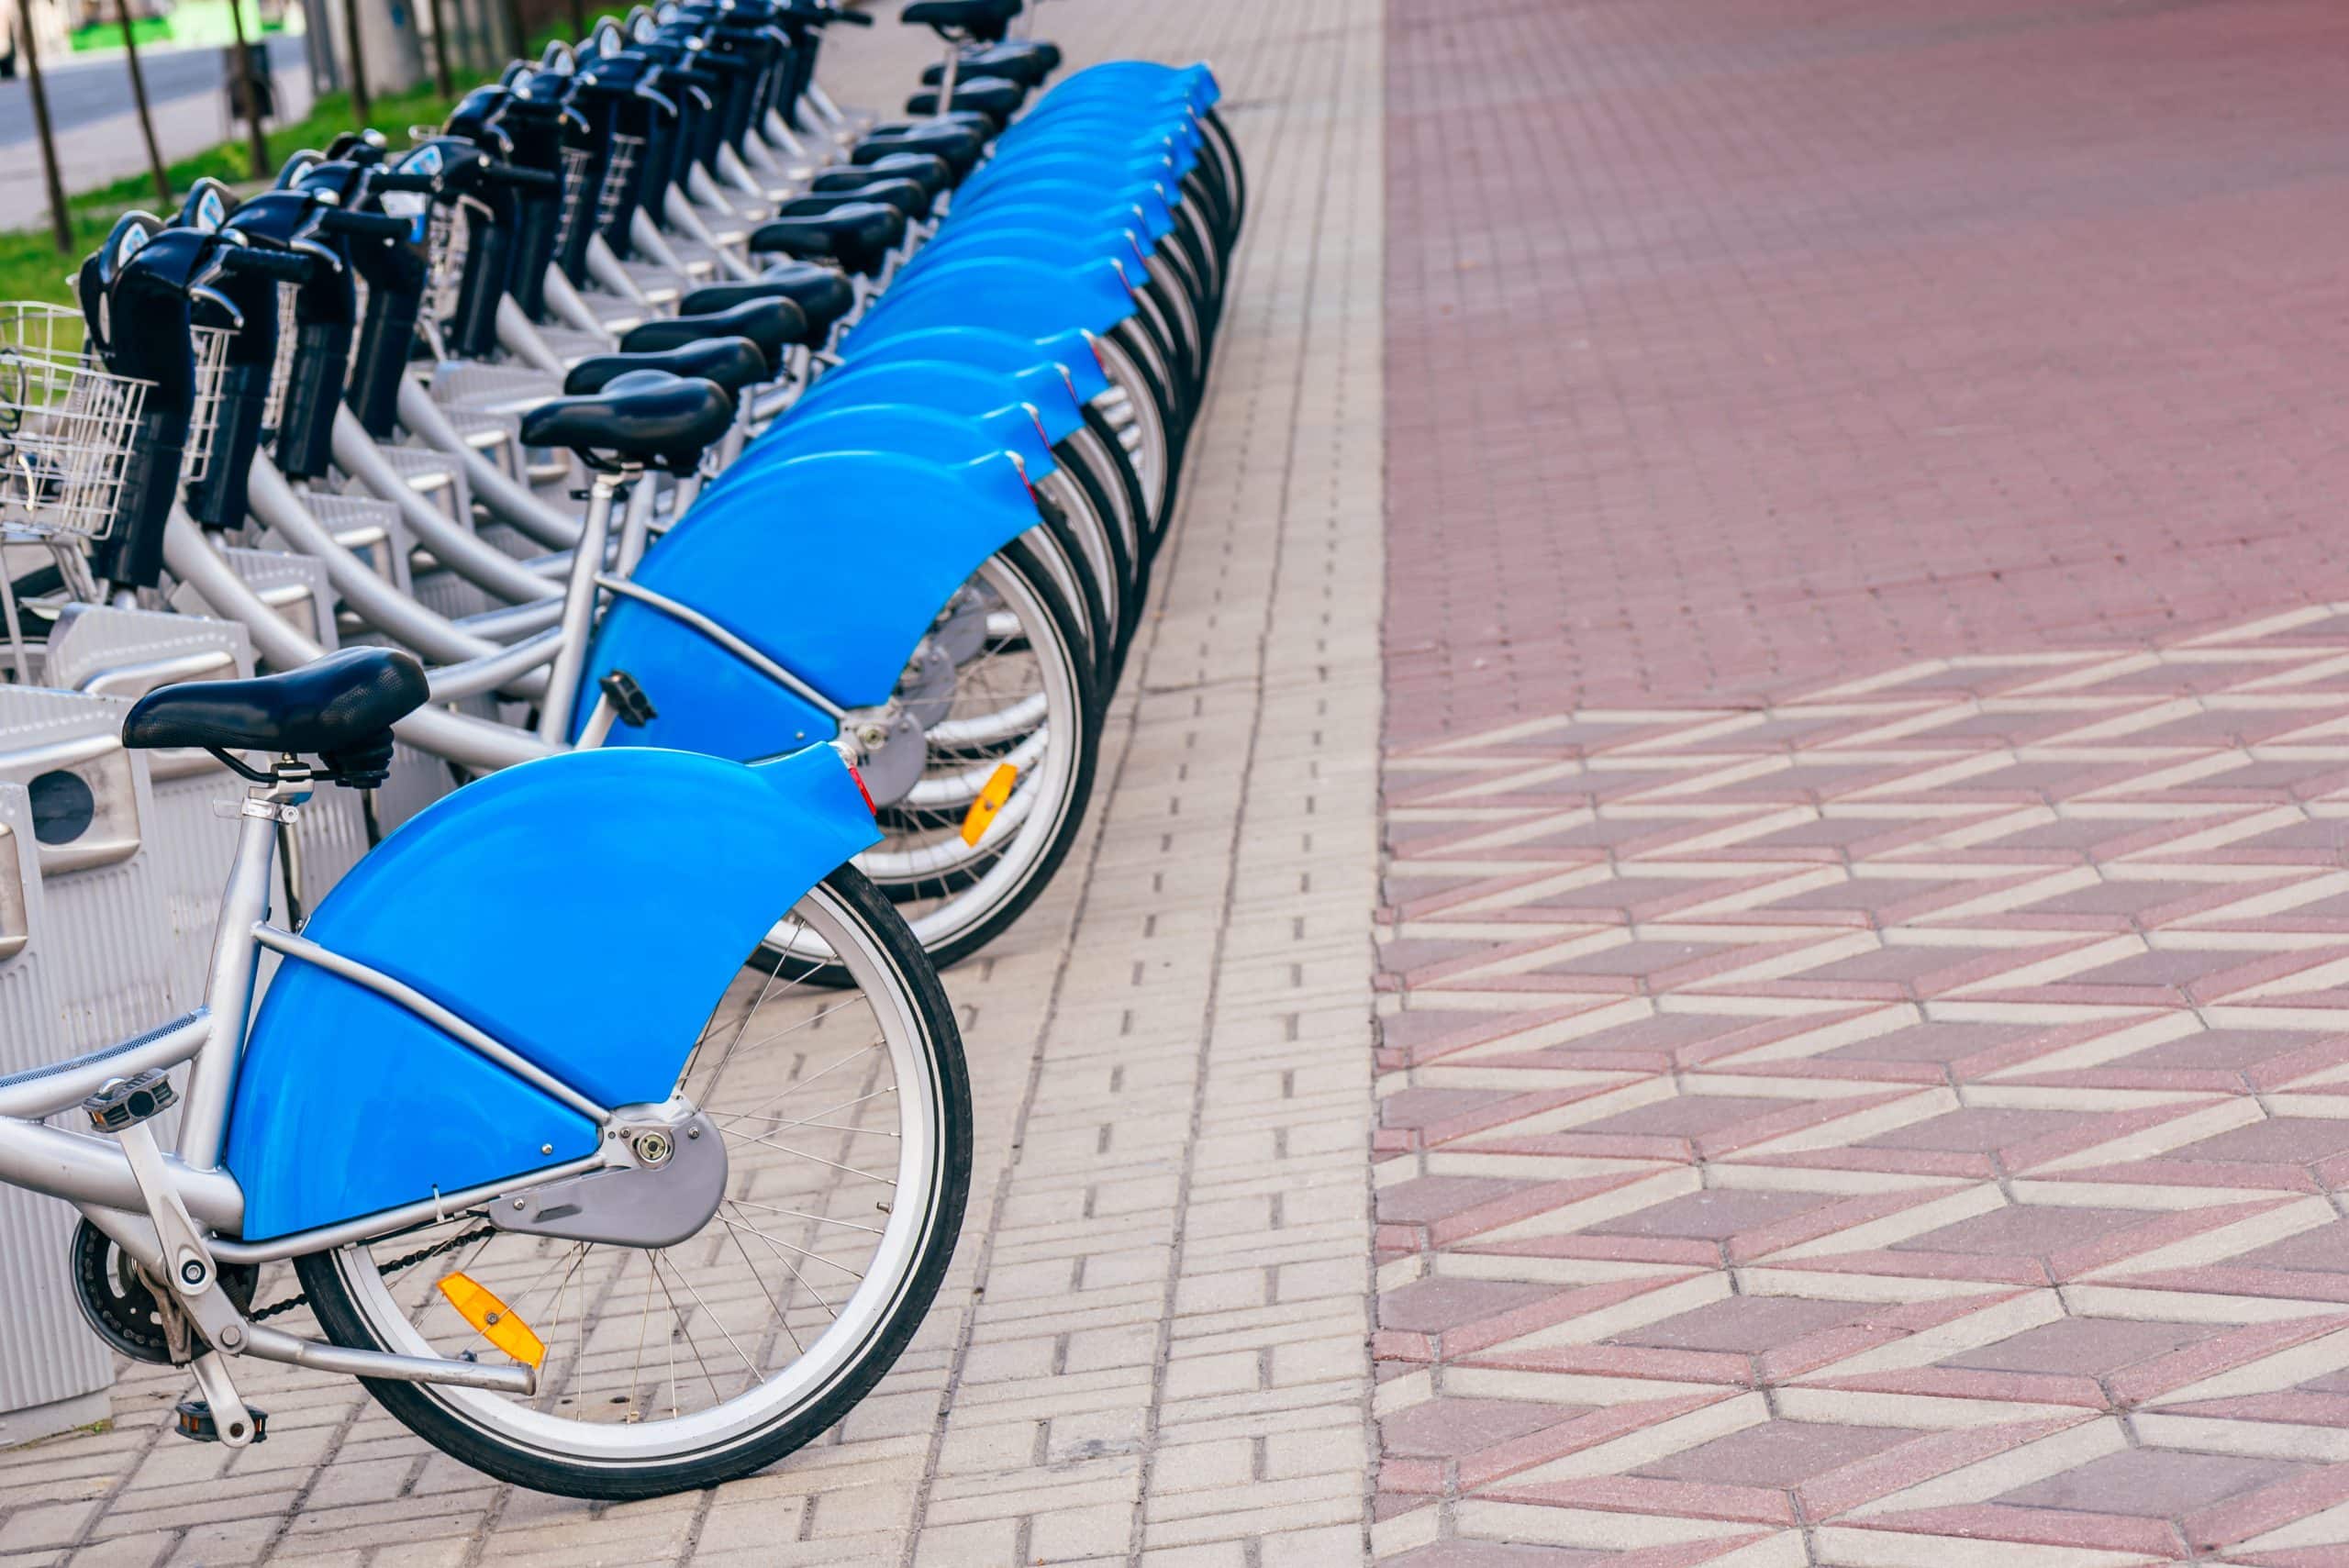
column 269, row 806
column 579, row 598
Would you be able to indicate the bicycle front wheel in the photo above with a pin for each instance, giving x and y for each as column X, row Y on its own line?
column 846, row 1118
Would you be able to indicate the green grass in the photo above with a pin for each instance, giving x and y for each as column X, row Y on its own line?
column 195, row 23
column 108, row 34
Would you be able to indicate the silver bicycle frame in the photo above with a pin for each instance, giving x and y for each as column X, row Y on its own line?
column 97, row 1175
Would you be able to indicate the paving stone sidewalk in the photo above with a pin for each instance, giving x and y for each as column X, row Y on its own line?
column 1865, row 1059
column 1152, row 1346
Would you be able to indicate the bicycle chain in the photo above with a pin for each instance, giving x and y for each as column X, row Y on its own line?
column 395, row 1266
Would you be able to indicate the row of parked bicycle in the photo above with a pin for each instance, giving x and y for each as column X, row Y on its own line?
column 583, row 1047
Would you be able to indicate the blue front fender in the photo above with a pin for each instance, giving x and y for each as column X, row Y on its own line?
column 588, row 910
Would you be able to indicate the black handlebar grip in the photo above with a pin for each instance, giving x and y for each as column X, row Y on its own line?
column 283, row 265
column 364, row 224
column 394, row 180
column 523, row 179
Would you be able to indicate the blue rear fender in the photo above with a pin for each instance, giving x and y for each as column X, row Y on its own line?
column 1027, row 297
column 952, row 387
column 1080, row 157
column 1111, row 139
column 983, row 348
column 1105, row 127
column 1053, row 247
column 889, row 427
column 833, row 566
column 1121, row 80
column 1064, row 204
column 1141, row 113
column 588, row 910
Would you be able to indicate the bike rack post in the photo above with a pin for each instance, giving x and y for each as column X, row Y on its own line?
column 55, row 1373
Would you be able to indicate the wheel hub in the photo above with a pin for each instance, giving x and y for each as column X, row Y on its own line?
column 666, row 1178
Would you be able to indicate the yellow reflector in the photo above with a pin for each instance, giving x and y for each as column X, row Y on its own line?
column 996, row 790
column 479, row 1307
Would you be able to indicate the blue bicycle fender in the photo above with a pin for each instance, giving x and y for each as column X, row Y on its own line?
column 1017, row 296
column 1021, row 242
column 983, row 348
column 1139, row 104
column 588, row 910
column 1066, row 204
column 833, row 566
column 704, row 698
column 1106, row 124
column 1118, row 79
column 950, row 387
column 1105, row 134
column 890, row 426
column 1080, row 156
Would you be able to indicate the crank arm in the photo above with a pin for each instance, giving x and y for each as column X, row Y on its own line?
column 189, row 1270
column 230, row 1418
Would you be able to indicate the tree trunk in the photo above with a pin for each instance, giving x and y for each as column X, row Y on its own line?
column 443, row 81
column 60, row 222
column 139, row 97
column 256, row 141
column 362, row 104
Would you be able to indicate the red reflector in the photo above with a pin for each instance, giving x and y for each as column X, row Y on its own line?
column 867, row 794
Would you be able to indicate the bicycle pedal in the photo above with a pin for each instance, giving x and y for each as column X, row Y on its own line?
column 192, row 1418
column 127, row 1102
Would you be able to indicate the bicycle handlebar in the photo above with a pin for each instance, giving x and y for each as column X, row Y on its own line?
column 283, row 265
column 416, row 185
column 363, row 224
column 522, row 179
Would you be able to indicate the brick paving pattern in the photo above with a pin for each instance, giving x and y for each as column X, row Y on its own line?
column 1152, row 1348
column 1741, row 342
column 1864, row 1067
column 1905, row 1121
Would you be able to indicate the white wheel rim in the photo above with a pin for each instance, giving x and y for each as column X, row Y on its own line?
column 903, row 1239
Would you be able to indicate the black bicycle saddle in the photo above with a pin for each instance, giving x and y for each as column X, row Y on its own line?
column 731, row 363
column 770, row 321
column 640, row 419
column 856, row 234
column 331, row 705
column 823, row 296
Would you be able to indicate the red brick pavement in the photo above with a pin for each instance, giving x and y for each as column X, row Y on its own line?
column 1866, row 1062
column 1736, row 341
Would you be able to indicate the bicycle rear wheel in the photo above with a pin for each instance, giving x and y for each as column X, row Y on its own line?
column 847, row 1127
column 1024, row 700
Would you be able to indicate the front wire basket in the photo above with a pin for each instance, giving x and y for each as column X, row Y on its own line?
column 575, row 196
column 211, row 345
column 281, row 371
column 68, row 426
column 446, row 240
column 616, row 169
